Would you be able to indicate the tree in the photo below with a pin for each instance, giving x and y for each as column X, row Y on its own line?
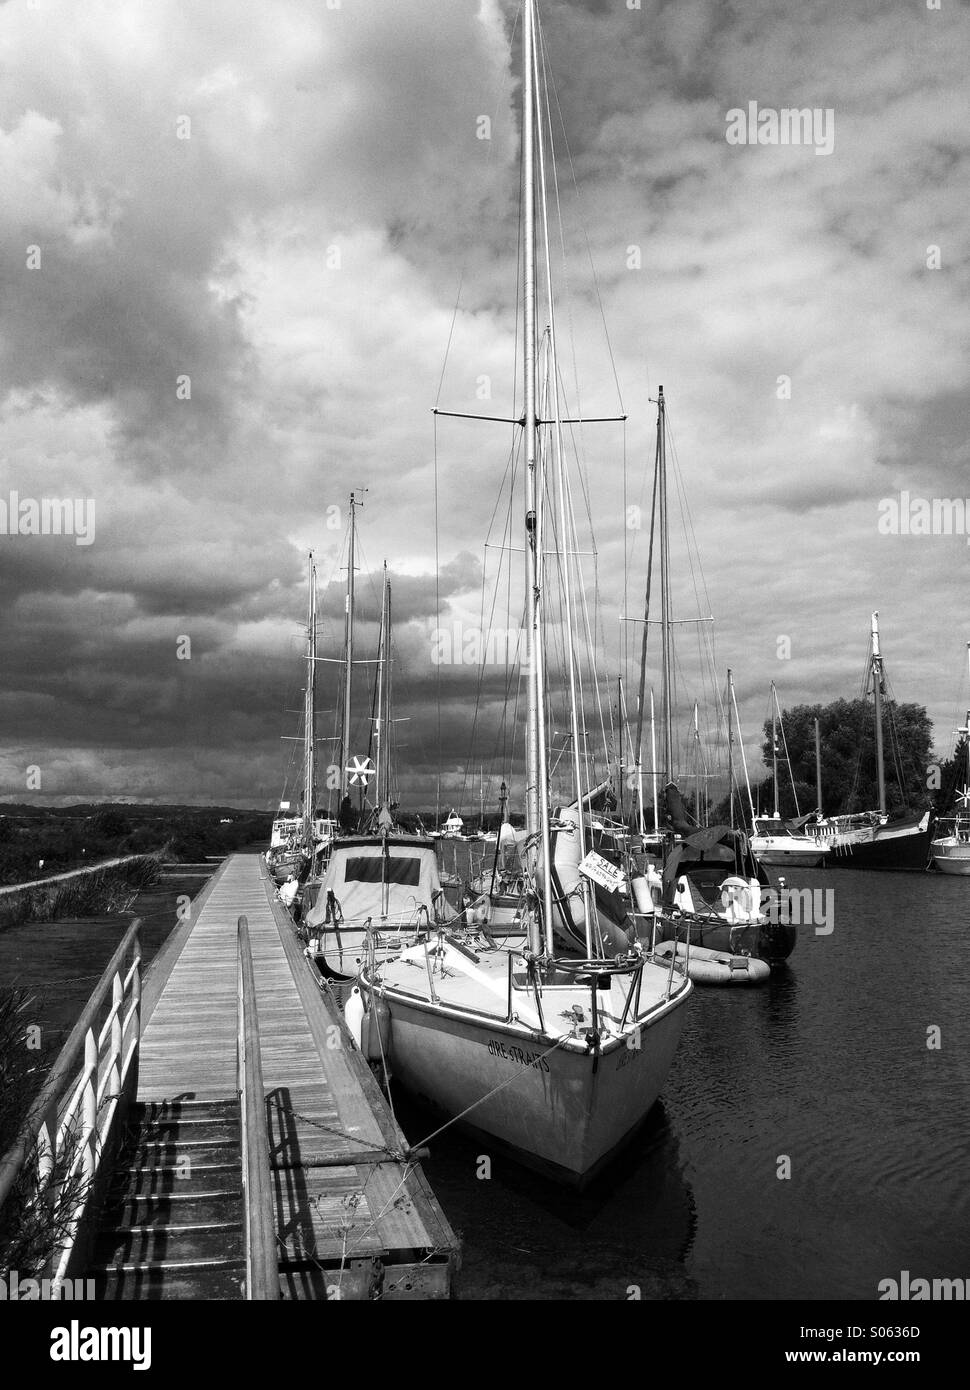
column 848, row 743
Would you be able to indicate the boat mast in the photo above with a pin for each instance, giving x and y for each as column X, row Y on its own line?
column 665, row 639
column 744, row 758
column 653, row 766
column 537, row 778
column 309, row 725
column 634, row 754
column 697, row 769
column 774, row 744
column 565, row 528
column 877, row 692
column 818, row 767
column 730, row 712
column 382, row 791
column 966, row 728
column 349, row 653
column 619, row 742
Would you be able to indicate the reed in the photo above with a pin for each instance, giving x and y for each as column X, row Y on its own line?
column 88, row 893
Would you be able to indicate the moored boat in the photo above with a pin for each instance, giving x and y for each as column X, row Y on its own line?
column 876, row 839
column 706, row 967
column 556, row 1059
column 951, row 850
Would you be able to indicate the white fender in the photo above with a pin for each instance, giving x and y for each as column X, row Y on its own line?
column 354, row 1014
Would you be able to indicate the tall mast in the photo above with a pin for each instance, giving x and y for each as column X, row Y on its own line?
column 383, row 789
column 744, row 758
column 653, row 766
column 774, row 744
column 665, row 640
column 966, row 730
column 565, row 528
column 818, row 767
column 620, row 725
column 537, row 793
column 349, row 652
column 731, row 744
column 877, row 692
column 309, row 718
column 634, row 754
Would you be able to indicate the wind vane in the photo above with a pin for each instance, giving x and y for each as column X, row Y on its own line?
column 359, row 771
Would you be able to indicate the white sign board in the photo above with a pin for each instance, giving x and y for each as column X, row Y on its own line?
column 601, row 871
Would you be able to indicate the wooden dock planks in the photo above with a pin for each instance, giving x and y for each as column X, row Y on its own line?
column 320, row 1105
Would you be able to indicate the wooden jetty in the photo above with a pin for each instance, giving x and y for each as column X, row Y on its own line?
column 348, row 1211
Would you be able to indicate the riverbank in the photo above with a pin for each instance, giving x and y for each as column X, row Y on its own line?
column 99, row 888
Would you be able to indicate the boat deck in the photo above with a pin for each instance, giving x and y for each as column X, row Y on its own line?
column 345, row 1195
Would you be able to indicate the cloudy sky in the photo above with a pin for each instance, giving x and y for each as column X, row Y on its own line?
column 232, row 241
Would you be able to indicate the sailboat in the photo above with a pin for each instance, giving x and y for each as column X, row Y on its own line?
column 708, row 903
column 951, row 852
column 554, row 1058
column 299, row 843
column 873, row 839
column 777, row 841
column 381, row 890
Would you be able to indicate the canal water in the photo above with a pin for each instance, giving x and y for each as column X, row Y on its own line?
column 828, row 1067
column 824, row 1074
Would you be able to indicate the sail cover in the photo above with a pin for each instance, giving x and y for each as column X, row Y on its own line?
column 385, row 879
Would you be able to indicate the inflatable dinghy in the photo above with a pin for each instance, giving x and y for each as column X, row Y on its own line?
column 706, row 967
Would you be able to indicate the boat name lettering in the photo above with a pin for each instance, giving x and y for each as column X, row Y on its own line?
column 517, row 1054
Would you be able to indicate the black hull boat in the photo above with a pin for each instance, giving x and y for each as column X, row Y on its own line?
column 902, row 845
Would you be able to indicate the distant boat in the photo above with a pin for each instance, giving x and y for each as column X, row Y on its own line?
column 381, row 889
column 874, row 839
column 951, row 852
column 781, row 842
column 300, row 841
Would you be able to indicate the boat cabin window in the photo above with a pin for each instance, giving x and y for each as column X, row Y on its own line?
column 397, row 868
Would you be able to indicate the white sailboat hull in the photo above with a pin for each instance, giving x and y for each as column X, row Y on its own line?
column 951, row 856
column 789, row 849
column 563, row 1112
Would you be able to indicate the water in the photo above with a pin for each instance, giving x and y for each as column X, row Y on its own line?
column 61, row 962
column 828, row 1065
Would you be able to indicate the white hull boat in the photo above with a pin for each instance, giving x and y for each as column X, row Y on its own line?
column 951, row 855
column 494, row 1047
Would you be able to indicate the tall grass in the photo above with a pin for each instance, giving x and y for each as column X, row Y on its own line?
column 89, row 893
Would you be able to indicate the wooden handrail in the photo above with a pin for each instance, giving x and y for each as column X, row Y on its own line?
column 64, row 1073
column 262, row 1268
